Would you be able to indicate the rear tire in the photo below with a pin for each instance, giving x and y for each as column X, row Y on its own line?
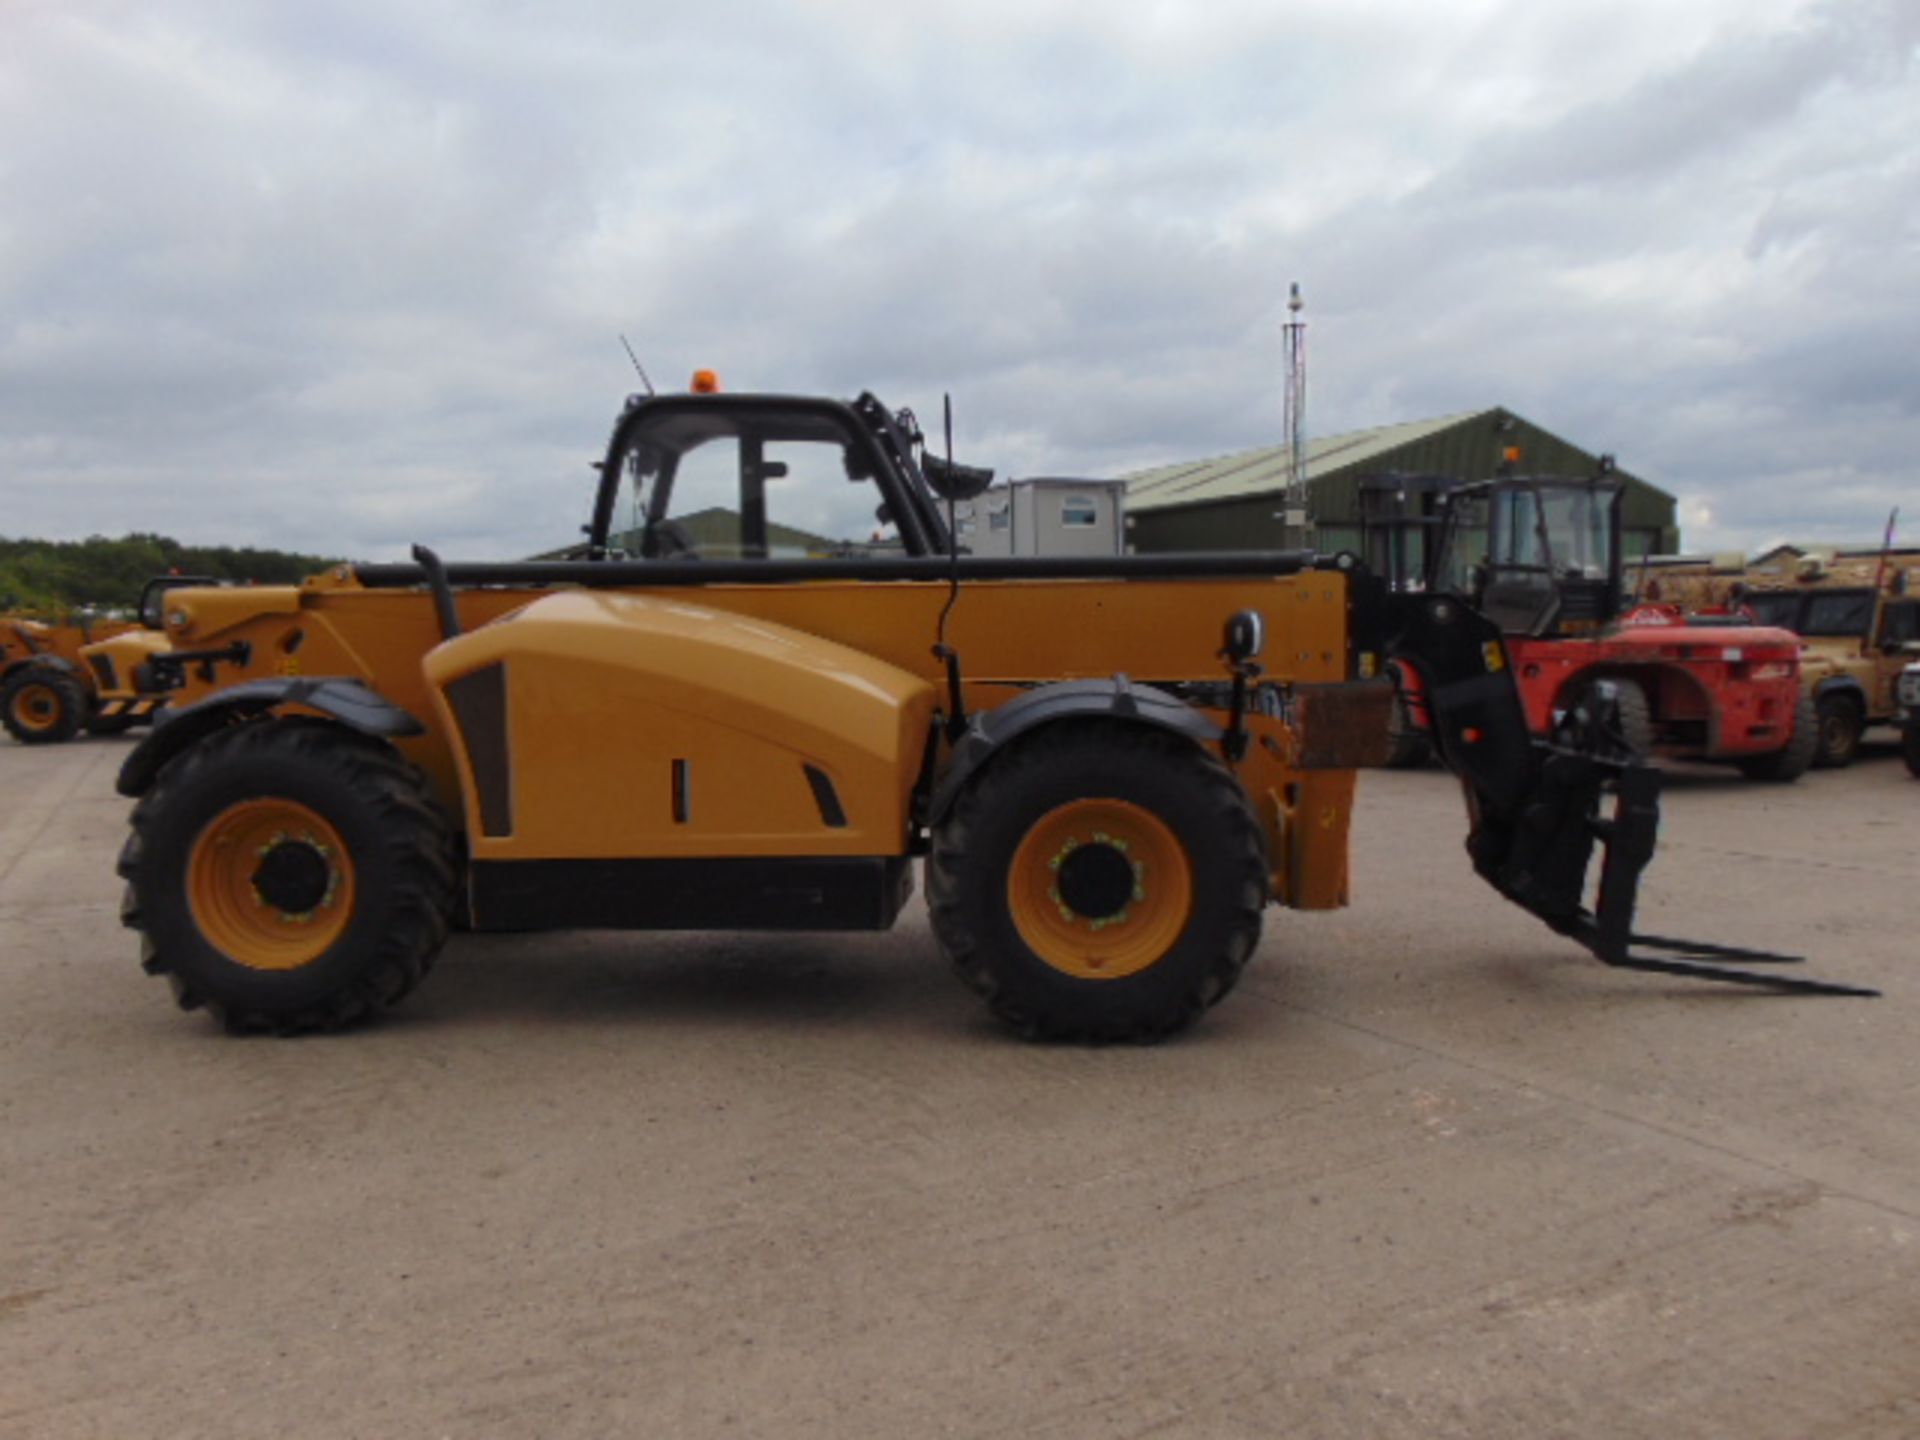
column 1791, row 760
column 289, row 875
column 1632, row 708
column 1099, row 881
column 41, row 705
column 1840, row 724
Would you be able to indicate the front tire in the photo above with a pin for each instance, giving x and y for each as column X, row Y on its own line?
column 42, row 706
column 1840, row 725
column 1099, row 881
column 289, row 875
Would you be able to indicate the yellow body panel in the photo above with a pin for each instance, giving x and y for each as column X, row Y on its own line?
column 217, row 608
column 618, row 703
column 127, row 652
column 1304, row 814
column 1010, row 633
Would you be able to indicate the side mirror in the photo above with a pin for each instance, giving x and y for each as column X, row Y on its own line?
column 773, row 469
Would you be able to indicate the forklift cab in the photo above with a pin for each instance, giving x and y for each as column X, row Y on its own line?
column 1539, row 555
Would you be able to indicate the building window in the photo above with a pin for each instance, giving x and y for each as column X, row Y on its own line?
column 999, row 519
column 1079, row 510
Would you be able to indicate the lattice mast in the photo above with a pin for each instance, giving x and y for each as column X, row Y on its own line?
column 1298, row 515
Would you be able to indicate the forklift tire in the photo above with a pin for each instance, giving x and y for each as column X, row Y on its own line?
column 1636, row 716
column 1839, row 730
column 1790, row 762
column 1099, row 881
column 289, row 875
column 42, row 706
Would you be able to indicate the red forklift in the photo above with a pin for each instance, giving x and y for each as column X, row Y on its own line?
column 1540, row 556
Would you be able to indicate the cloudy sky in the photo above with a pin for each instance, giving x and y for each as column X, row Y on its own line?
column 342, row 276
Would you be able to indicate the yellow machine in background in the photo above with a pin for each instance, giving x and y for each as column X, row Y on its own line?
column 59, row 677
column 1109, row 766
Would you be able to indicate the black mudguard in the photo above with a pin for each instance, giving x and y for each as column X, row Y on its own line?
column 345, row 700
column 1117, row 698
column 44, row 661
column 1842, row 685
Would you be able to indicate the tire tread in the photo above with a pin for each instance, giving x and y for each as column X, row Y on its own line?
column 416, row 843
column 73, row 704
column 1012, row 771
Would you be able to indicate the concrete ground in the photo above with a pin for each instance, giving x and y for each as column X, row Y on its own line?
column 1428, row 1172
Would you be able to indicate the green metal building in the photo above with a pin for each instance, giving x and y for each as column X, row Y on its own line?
column 1235, row 502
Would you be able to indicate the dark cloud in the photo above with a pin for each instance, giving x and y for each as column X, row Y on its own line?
column 345, row 276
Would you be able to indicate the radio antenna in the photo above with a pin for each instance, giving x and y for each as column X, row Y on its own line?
column 638, row 366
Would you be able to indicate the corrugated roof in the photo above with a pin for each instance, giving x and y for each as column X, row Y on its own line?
column 1829, row 547
column 1255, row 472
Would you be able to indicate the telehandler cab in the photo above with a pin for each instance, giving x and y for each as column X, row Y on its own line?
column 1109, row 766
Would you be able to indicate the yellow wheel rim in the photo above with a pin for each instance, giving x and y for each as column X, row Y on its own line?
column 36, row 707
column 1100, row 889
column 270, row 884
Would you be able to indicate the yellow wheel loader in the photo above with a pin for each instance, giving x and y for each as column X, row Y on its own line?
column 1107, row 767
column 58, row 677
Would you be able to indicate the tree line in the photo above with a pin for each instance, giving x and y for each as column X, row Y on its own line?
column 99, row 573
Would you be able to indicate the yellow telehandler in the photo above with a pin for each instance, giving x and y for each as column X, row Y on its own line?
column 1108, row 766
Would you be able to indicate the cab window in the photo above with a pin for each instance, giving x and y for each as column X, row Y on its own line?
column 1902, row 623
column 759, row 485
column 1773, row 607
column 1839, row 612
column 1516, row 533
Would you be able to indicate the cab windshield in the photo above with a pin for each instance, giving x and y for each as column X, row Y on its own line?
column 1552, row 532
column 1775, row 608
column 1839, row 613
column 1560, row 529
column 747, row 484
